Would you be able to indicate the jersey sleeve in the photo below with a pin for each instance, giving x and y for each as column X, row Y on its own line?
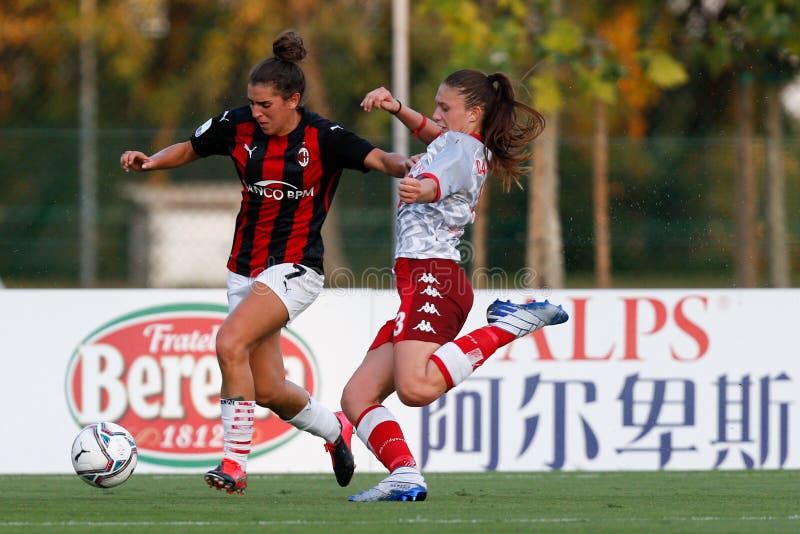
column 343, row 148
column 451, row 167
column 213, row 137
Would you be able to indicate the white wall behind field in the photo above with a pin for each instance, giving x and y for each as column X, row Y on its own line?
column 636, row 379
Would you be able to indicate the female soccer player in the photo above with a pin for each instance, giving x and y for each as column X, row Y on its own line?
column 477, row 128
column 289, row 161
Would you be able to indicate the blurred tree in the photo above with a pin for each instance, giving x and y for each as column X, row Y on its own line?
column 558, row 43
column 756, row 41
column 620, row 55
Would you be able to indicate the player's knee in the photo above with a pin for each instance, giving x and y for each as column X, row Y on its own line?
column 355, row 400
column 230, row 348
column 266, row 399
column 349, row 404
column 414, row 394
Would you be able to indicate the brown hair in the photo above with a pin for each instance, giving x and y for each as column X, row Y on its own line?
column 508, row 126
column 281, row 70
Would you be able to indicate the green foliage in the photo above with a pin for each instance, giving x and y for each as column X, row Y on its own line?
column 662, row 69
column 156, row 87
column 760, row 36
column 562, row 38
column 597, row 83
column 547, row 90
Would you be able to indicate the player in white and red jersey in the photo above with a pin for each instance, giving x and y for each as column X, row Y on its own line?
column 477, row 128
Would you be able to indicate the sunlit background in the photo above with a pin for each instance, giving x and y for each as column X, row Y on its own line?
column 670, row 159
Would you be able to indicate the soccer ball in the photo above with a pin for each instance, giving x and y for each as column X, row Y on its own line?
column 104, row 455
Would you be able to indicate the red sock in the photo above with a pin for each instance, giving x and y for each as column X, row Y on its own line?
column 483, row 342
column 388, row 443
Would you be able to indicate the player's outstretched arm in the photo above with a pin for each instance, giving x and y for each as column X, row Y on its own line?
column 422, row 127
column 167, row 158
column 390, row 163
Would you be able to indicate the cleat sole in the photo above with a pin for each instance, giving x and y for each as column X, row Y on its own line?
column 219, row 483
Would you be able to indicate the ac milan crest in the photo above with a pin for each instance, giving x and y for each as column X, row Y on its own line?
column 303, row 156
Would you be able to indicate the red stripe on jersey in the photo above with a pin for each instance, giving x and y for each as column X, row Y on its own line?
column 244, row 134
column 272, row 169
column 329, row 191
column 312, row 174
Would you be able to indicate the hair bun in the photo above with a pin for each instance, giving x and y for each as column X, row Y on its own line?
column 289, row 47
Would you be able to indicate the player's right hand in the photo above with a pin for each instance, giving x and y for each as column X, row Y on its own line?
column 380, row 98
column 133, row 159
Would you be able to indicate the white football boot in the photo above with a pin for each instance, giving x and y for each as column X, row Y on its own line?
column 404, row 484
column 522, row 319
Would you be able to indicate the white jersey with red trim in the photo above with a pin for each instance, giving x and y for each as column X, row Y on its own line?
column 432, row 230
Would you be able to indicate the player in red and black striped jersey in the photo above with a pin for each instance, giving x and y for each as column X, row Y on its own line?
column 289, row 161
column 288, row 183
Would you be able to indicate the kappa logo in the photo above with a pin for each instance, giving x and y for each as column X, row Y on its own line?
column 336, row 127
column 430, row 308
column 250, row 150
column 431, row 292
column 425, row 326
column 428, row 278
column 224, row 117
column 475, row 358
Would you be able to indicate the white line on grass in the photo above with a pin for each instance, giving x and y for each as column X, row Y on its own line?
column 418, row 520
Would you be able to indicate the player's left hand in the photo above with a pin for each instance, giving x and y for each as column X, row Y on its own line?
column 409, row 190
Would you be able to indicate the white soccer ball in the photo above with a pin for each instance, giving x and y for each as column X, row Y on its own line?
column 104, row 455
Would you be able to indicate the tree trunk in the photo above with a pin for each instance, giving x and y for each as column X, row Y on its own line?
column 88, row 144
column 602, row 233
column 776, row 179
column 745, row 209
column 544, row 258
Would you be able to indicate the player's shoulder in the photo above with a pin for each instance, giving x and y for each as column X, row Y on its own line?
column 451, row 142
column 321, row 123
column 225, row 121
column 457, row 138
column 236, row 115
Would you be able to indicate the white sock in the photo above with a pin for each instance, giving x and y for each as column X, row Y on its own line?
column 238, row 419
column 408, row 474
column 316, row 419
column 457, row 364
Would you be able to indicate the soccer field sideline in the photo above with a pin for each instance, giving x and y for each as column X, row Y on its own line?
column 701, row 501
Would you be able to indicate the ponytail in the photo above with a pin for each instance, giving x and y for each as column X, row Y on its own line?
column 508, row 126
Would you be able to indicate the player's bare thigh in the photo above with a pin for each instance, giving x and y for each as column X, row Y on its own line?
column 259, row 315
column 417, row 379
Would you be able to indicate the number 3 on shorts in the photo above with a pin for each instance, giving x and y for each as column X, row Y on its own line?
column 398, row 323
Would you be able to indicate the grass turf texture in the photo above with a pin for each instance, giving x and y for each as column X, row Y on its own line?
column 698, row 501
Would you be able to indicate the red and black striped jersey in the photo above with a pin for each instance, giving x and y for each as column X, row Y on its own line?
column 288, row 183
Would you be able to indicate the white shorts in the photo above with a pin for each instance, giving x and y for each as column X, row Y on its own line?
column 296, row 285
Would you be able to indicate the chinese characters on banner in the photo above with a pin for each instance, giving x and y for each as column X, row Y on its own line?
column 659, row 380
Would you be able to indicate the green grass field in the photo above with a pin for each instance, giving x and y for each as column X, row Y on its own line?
column 707, row 501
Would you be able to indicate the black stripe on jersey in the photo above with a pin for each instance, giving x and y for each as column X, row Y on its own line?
column 252, row 168
column 327, row 188
column 292, row 174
